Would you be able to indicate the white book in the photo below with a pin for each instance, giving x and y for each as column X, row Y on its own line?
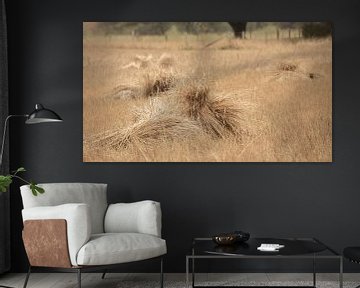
column 270, row 247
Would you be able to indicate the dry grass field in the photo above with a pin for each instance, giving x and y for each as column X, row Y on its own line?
column 193, row 99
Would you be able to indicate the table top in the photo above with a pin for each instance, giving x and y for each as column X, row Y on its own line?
column 292, row 247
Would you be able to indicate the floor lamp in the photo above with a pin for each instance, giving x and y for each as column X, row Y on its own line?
column 39, row 115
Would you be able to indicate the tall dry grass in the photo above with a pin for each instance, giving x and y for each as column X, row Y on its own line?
column 253, row 101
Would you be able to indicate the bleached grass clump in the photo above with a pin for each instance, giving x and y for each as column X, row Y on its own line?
column 218, row 115
column 154, row 82
column 174, row 111
column 151, row 83
column 166, row 61
column 154, row 123
column 140, row 61
column 159, row 129
column 285, row 71
column 288, row 67
column 145, row 61
column 154, row 76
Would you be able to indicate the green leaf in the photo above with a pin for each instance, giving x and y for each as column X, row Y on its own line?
column 39, row 189
column 5, row 182
column 36, row 189
column 20, row 169
column 33, row 189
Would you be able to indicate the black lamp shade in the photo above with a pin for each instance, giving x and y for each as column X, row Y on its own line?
column 42, row 115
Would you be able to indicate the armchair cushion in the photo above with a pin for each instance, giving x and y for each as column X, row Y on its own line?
column 78, row 221
column 113, row 248
column 138, row 217
column 92, row 194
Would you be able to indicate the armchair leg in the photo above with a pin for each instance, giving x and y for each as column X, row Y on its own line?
column 27, row 277
column 79, row 278
column 103, row 275
column 161, row 273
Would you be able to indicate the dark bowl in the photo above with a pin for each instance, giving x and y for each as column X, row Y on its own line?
column 225, row 239
column 242, row 236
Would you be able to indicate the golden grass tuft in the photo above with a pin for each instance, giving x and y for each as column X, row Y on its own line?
column 166, row 61
column 154, row 82
column 155, row 129
column 140, row 61
column 287, row 67
column 154, row 76
column 228, row 113
column 196, row 97
column 149, row 61
column 218, row 115
column 122, row 92
column 156, row 121
column 285, row 71
column 151, row 83
column 159, row 129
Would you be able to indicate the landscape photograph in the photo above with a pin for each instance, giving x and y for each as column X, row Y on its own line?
column 207, row 92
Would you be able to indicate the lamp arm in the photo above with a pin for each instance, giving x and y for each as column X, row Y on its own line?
column 4, row 134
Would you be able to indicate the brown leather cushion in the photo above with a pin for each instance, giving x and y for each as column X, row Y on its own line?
column 46, row 243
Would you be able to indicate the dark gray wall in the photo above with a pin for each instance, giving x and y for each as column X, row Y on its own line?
column 320, row 200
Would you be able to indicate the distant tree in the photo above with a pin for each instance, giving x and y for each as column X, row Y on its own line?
column 239, row 28
column 192, row 27
column 286, row 25
column 258, row 25
column 153, row 28
column 218, row 27
column 109, row 28
column 186, row 27
column 137, row 28
column 202, row 27
column 316, row 29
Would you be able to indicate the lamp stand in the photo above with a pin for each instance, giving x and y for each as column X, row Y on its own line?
column 39, row 115
column 2, row 153
column 4, row 135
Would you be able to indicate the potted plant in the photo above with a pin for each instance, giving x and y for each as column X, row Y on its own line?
column 6, row 180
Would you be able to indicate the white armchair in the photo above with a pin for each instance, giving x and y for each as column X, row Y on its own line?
column 72, row 228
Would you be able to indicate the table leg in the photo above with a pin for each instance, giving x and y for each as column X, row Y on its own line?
column 187, row 272
column 193, row 267
column 314, row 271
column 341, row 273
column 193, row 272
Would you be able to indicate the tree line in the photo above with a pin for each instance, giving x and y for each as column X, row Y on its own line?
column 309, row 29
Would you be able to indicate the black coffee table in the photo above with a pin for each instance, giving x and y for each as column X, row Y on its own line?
column 295, row 248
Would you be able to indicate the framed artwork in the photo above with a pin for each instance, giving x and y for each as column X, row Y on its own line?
column 207, row 92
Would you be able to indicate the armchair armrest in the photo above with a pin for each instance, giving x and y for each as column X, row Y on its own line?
column 139, row 217
column 78, row 225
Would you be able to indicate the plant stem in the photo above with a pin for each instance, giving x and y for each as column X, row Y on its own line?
column 20, row 178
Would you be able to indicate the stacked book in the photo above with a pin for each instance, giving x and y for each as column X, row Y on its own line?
column 270, row 247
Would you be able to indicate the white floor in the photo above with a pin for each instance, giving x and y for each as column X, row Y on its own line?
column 68, row 280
